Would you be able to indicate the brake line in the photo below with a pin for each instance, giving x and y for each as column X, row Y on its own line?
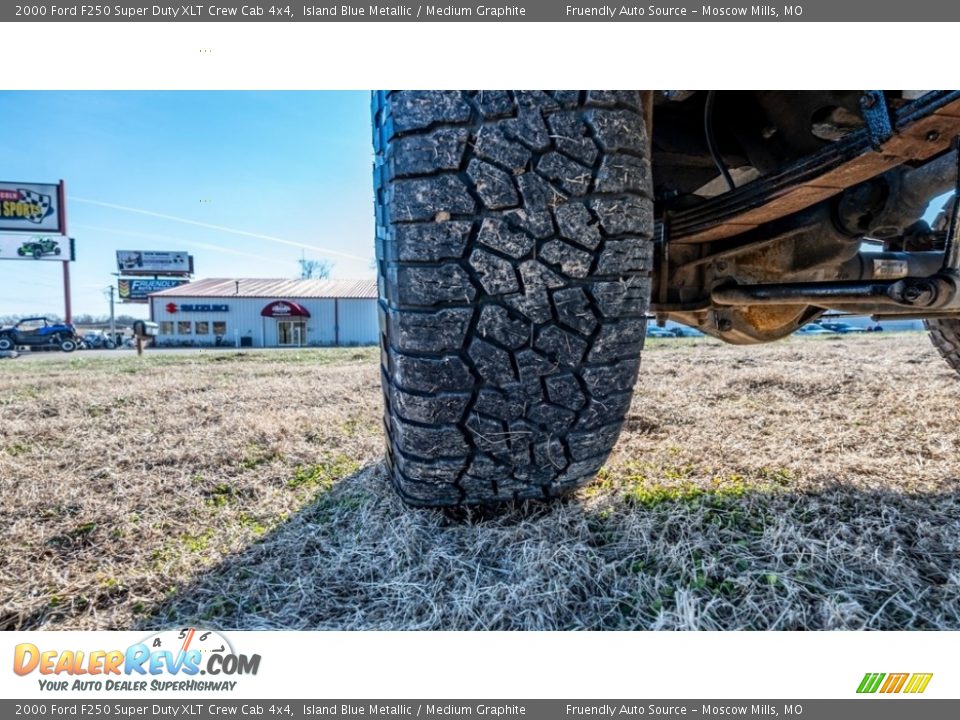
column 712, row 141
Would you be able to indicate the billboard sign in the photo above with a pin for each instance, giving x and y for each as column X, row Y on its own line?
column 136, row 290
column 31, row 207
column 36, row 247
column 149, row 262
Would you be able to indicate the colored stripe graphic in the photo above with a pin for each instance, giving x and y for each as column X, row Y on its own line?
column 918, row 683
column 894, row 683
column 870, row 682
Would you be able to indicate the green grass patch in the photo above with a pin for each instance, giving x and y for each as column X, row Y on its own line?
column 220, row 495
column 324, row 475
column 17, row 449
column 255, row 455
column 649, row 485
column 130, row 364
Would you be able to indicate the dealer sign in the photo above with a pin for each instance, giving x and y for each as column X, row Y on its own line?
column 137, row 289
column 154, row 262
column 31, row 207
column 172, row 307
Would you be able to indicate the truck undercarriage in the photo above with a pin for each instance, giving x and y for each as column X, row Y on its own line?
column 773, row 207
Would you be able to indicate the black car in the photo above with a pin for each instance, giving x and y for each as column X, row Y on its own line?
column 39, row 332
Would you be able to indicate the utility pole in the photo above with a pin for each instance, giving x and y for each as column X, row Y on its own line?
column 113, row 323
column 113, row 320
column 62, row 198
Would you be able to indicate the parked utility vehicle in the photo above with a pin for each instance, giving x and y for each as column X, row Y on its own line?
column 39, row 332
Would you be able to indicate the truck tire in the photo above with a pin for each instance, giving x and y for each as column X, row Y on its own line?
column 945, row 333
column 514, row 253
column 945, row 336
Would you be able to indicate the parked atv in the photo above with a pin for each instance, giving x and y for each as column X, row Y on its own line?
column 523, row 238
column 38, row 248
column 38, row 332
column 98, row 340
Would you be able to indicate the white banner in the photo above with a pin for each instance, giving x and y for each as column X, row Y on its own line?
column 521, row 665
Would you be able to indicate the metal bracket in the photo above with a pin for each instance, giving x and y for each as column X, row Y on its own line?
column 951, row 248
column 876, row 115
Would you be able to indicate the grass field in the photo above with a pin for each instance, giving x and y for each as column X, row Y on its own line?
column 811, row 483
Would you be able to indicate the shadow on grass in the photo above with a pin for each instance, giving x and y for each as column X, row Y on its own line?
column 743, row 554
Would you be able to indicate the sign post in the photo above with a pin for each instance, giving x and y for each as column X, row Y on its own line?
column 33, row 217
column 67, row 309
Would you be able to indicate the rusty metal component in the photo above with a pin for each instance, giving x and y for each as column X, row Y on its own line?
column 876, row 114
column 890, row 265
column 923, row 129
column 886, row 205
column 951, row 248
column 936, row 293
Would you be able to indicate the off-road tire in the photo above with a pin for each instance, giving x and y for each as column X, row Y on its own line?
column 6, row 343
column 514, row 252
column 945, row 333
column 945, row 336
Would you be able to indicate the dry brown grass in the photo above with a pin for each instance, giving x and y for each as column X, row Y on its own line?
column 807, row 484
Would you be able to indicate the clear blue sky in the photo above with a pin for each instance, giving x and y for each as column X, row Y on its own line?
column 291, row 165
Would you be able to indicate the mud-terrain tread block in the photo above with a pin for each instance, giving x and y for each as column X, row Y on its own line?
column 945, row 336
column 428, row 286
column 498, row 235
column 442, row 331
column 493, row 185
column 570, row 175
column 494, row 145
column 497, row 324
column 574, row 311
column 417, row 198
column 440, row 150
column 440, row 408
column 430, row 242
column 575, row 263
column 577, row 224
column 571, row 134
column 514, row 253
column 496, row 274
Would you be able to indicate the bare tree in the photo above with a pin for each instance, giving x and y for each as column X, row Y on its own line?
column 315, row 269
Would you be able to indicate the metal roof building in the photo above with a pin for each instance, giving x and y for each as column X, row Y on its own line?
column 255, row 312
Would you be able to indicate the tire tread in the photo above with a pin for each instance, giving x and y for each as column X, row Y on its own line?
column 514, row 249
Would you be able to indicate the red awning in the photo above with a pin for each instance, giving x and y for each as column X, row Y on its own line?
column 284, row 308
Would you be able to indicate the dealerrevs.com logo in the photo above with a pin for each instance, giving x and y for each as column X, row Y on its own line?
column 171, row 660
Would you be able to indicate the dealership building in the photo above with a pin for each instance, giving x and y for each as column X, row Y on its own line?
column 248, row 312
